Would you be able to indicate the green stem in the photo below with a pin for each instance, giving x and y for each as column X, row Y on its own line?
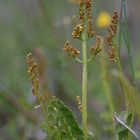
column 121, row 75
column 91, row 58
column 127, row 42
column 84, row 86
column 78, row 60
column 42, row 105
column 120, row 72
column 120, row 29
column 119, row 62
column 105, row 81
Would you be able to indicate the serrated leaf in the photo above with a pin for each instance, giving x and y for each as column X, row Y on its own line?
column 60, row 123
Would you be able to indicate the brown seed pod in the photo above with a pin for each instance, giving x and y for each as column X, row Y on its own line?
column 112, row 31
column 33, row 73
column 77, row 31
column 96, row 49
column 79, row 103
column 70, row 50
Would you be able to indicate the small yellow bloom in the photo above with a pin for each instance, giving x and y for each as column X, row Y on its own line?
column 103, row 20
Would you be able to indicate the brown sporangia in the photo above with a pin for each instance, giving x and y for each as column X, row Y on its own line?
column 90, row 31
column 111, row 37
column 78, row 29
column 84, row 15
column 79, row 103
column 96, row 49
column 33, row 73
column 70, row 50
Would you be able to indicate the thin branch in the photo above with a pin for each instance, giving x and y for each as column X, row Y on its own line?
column 78, row 60
column 91, row 58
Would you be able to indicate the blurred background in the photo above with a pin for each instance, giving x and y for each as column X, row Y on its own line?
column 42, row 27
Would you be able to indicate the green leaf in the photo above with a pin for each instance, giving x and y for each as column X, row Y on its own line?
column 60, row 123
column 121, row 130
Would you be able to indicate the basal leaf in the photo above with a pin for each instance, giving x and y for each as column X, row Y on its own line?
column 60, row 123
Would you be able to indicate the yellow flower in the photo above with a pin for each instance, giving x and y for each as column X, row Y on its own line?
column 103, row 20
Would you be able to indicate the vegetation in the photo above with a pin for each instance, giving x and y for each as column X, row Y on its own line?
column 105, row 106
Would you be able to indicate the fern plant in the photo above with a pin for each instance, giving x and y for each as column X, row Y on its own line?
column 59, row 121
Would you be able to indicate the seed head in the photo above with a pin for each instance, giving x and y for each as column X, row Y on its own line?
column 111, row 37
column 90, row 31
column 96, row 49
column 81, row 10
column 79, row 103
column 77, row 31
column 70, row 50
column 33, row 73
column 84, row 16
